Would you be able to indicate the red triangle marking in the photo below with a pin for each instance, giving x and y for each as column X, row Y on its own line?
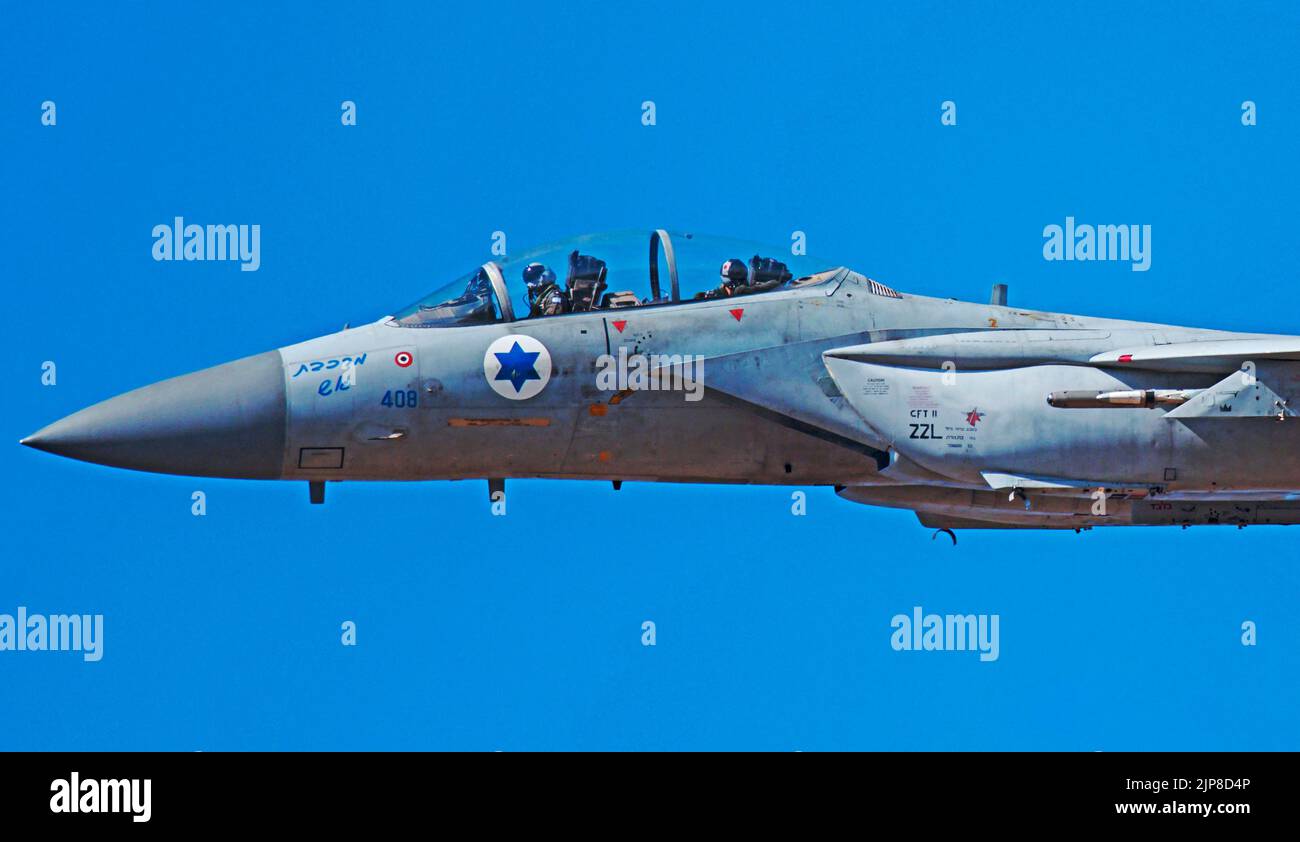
column 738, row 312
column 620, row 324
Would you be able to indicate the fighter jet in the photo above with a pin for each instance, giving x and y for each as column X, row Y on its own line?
column 671, row 357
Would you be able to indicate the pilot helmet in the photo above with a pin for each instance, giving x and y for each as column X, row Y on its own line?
column 765, row 269
column 538, row 275
column 734, row 272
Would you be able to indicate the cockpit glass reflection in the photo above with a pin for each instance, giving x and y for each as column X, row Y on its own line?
column 465, row 301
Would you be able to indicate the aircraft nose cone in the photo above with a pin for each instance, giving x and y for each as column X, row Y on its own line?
column 225, row 421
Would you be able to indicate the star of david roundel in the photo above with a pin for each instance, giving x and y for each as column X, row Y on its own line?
column 517, row 367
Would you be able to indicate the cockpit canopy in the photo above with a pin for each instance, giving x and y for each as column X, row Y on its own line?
column 612, row 272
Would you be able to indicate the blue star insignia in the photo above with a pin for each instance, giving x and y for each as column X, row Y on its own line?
column 518, row 366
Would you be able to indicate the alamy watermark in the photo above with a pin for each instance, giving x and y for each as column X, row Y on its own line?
column 75, row 794
column 82, row 633
column 920, row 632
column 1072, row 241
column 651, row 372
column 179, row 241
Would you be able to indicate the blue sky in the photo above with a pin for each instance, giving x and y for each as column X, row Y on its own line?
column 474, row 632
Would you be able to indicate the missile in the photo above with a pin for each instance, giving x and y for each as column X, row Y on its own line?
column 1124, row 399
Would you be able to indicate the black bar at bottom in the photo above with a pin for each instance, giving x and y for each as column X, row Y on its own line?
column 334, row 790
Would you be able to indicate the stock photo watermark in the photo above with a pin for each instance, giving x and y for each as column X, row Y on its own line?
column 178, row 241
column 651, row 372
column 920, row 632
column 1084, row 242
column 23, row 632
column 74, row 794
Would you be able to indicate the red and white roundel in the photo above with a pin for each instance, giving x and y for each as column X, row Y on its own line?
column 403, row 359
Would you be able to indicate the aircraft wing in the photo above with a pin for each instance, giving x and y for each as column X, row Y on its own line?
column 1012, row 348
column 863, row 394
column 1209, row 356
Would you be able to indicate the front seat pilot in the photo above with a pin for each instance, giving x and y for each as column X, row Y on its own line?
column 545, row 298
